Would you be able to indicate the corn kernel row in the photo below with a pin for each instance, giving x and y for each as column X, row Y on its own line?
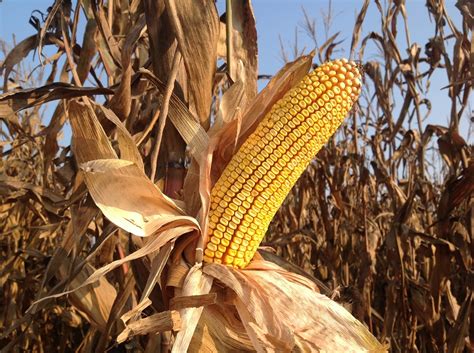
column 260, row 175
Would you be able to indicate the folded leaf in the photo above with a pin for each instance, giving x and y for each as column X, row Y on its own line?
column 129, row 199
column 282, row 312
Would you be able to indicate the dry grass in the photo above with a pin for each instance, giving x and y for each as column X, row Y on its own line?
column 383, row 220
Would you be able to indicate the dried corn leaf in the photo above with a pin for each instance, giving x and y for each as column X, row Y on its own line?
column 243, row 53
column 143, row 209
column 231, row 106
column 157, row 265
column 155, row 244
column 122, row 99
column 127, row 146
column 185, row 122
column 165, row 321
column 92, row 301
column 16, row 100
column 18, row 53
column 197, row 37
column 220, row 330
column 88, row 51
column 89, row 141
column 297, row 317
column 358, row 26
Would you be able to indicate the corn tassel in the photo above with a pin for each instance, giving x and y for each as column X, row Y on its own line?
column 260, row 175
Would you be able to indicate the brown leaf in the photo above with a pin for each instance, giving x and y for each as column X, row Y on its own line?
column 94, row 302
column 243, row 66
column 127, row 146
column 195, row 283
column 155, row 244
column 88, row 137
column 458, row 333
column 17, row 100
column 122, row 100
column 88, row 51
column 18, row 53
column 108, row 43
column 185, row 122
column 298, row 317
column 197, row 37
column 165, row 321
column 358, row 26
column 143, row 209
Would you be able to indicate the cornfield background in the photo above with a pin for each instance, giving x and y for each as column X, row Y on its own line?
column 382, row 221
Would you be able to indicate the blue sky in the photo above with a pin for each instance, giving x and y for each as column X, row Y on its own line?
column 279, row 18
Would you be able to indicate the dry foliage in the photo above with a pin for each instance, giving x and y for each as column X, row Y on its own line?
column 99, row 237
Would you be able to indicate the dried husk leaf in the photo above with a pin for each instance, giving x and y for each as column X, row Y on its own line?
column 220, row 330
column 283, row 312
column 165, row 321
column 195, row 283
column 230, row 107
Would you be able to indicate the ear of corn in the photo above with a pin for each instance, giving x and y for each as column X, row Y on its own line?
column 260, row 175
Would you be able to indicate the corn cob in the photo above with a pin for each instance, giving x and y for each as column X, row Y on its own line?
column 260, row 175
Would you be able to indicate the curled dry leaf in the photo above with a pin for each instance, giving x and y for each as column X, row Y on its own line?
column 142, row 212
column 144, row 209
column 165, row 321
column 121, row 101
column 16, row 100
column 282, row 311
column 20, row 52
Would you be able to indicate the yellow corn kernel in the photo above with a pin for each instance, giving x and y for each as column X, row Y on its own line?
column 263, row 171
